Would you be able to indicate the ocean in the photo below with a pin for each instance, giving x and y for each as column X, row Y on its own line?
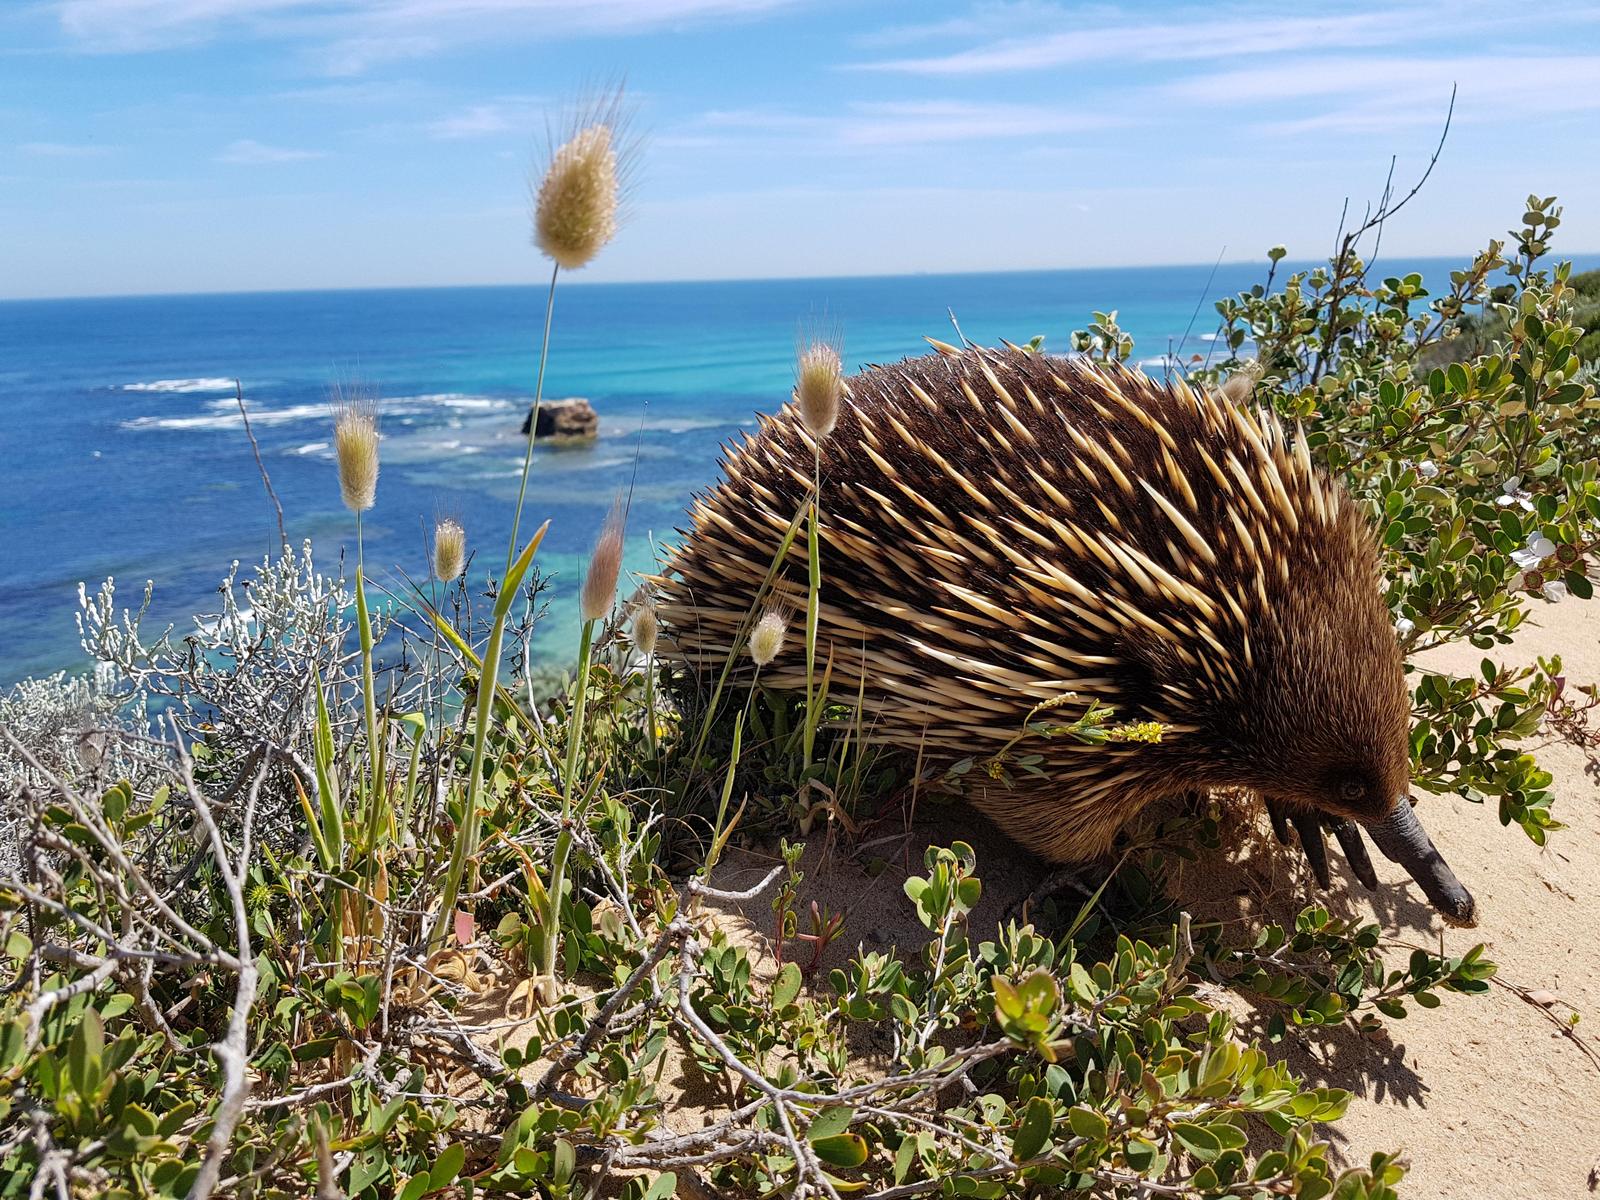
column 124, row 455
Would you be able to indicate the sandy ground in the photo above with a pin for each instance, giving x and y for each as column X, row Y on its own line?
column 1486, row 1094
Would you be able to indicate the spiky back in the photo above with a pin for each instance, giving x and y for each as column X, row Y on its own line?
column 1001, row 529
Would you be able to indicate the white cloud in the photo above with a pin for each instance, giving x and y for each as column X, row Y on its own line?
column 883, row 124
column 1397, row 92
column 519, row 115
column 1204, row 36
column 248, row 152
column 121, row 25
column 355, row 34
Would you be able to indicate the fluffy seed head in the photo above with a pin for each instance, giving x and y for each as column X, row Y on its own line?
column 1242, row 382
column 605, row 564
column 578, row 199
column 766, row 639
column 819, row 387
column 449, row 549
column 355, row 447
column 646, row 628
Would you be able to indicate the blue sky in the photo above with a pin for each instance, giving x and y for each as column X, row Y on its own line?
column 201, row 145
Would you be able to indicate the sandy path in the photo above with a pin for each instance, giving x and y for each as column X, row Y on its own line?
column 1485, row 1094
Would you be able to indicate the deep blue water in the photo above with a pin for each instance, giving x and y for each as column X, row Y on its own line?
column 123, row 454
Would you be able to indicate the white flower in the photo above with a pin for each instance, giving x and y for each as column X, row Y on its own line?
column 1404, row 626
column 1427, row 468
column 1538, row 549
column 1555, row 591
column 1511, row 493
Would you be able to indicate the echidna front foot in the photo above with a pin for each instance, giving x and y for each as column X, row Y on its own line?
column 1311, row 828
column 1057, row 882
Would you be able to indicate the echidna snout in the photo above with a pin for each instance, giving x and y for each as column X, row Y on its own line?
column 1009, row 540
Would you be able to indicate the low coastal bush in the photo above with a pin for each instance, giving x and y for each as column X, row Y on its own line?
column 335, row 895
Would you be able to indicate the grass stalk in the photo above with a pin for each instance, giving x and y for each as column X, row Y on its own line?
column 708, row 717
column 469, row 831
column 569, row 777
column 533, row 416
column 813, row 594
column 650, row 703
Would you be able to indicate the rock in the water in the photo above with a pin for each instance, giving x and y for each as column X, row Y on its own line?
column 573, row 418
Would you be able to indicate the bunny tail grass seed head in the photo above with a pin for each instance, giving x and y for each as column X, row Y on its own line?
column 766, row 639
column 449, row 549
column 578, row 201
column 355, row 444
column 819, row 385
column 646, row 628
column 1239, row 386
column 600, row 584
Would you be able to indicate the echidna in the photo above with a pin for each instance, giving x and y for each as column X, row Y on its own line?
column 1003, row 530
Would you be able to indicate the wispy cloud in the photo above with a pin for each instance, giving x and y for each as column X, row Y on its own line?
column 883, row 124
column 980, row 23
column 516, row 115
column 1374, row 93
column 251, row 153
column 1201, row 35
column 353, row 35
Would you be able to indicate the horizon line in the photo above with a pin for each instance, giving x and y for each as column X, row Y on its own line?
column 570, row 282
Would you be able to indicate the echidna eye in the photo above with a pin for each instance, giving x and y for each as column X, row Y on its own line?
column 1352, row 791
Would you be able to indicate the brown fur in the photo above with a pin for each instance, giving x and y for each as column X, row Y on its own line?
column 1000, row 529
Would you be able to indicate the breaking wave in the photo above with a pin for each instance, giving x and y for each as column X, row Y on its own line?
column 215, row 384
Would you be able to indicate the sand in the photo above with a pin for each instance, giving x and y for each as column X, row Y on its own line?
column 1489, row 1095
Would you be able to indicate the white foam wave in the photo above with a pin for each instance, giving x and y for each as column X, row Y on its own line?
column 457, row 400
column 1167, row 362
column 232, row 420
column 310, row 448
column 215, row 384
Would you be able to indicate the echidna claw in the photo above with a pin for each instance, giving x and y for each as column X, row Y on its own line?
column 1355, row 853
column 1309, row 827
column 1280, row 821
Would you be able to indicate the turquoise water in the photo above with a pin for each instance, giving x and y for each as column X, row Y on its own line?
column 124, row 454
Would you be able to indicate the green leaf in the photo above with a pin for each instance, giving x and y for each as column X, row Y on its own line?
column 841, row 1150
column 1087, row 1123
column 786, row 986
column 446, row 1167
column 830, row 1122
column 83, row 1055
column 1034, row 1132
column 1006, row 999
column 1197, row 1139
column 566, row 1162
